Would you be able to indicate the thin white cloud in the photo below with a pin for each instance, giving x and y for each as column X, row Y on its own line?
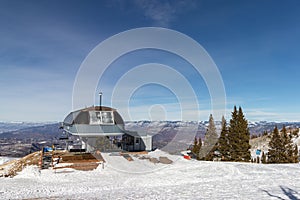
column 258, row 114
column 163, row 12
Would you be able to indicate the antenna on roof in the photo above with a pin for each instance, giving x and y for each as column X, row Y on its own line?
column 100, row 101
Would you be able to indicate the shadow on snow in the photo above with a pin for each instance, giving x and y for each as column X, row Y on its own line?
column 288, row 192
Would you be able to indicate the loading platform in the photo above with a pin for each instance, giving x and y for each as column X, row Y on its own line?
column 74, row 160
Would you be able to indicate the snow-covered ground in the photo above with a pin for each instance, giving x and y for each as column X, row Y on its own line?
column 141, row 179
column 5, row 159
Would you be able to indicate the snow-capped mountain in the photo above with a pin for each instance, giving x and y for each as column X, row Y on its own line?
column 16, row 125
column 156, row 126
column 261, row 126
column 151, row 127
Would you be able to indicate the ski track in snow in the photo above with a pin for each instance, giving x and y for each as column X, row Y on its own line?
column 141, row 179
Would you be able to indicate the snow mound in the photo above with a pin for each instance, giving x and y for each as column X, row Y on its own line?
column 140, row 164
column 30, row 172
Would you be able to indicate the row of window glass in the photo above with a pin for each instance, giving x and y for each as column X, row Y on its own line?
column 101, row 117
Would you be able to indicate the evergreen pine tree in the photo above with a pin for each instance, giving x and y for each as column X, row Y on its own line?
column 196, row 148
column 239, row 137
column 199, row 143
column 296, row 154
column 244, row 154
column 233, row 138
column 265, row 133
column 223, row 142
column 210, row 140
column 275, row 147
column 282, row 149
column 223, row 122
column 295, row 132
column 288, row 147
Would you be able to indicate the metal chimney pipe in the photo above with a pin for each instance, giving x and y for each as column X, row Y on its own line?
column 100, row 101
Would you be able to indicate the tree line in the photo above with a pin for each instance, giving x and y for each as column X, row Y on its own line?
column 281, row 148
column 233, row 142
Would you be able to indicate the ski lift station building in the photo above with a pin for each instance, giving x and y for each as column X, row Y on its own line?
column 97, row 122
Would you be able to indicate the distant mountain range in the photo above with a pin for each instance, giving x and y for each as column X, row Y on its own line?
column 160, row 128
column 13, row 126
column 40, row 131
column 261, row 126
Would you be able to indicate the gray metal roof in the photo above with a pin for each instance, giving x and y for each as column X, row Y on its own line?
column 70, row 117
column 82, row 116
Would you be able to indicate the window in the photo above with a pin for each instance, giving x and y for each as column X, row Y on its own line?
column 107, row 117
column 94, row 118
column 137, row 140
column 101, row 117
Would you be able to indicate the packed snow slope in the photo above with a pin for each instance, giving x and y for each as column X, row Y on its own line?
column 141, row 179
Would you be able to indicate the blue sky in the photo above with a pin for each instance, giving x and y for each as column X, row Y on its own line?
column 255, row 45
